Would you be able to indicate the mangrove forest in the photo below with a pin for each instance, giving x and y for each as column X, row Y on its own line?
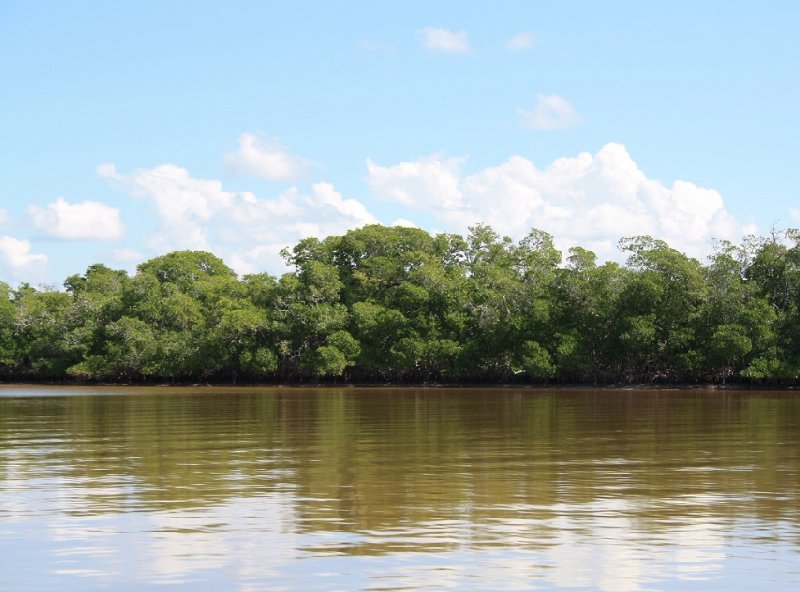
column 395, row 304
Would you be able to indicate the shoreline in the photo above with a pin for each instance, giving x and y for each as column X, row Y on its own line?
column 417, row 386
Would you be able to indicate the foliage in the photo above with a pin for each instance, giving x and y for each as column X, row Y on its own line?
column 398, row 304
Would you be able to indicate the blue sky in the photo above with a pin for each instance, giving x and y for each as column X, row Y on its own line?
column 129, row 129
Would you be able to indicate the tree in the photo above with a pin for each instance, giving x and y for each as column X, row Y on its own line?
column 536, row 361
column 8, row 346
column 727, row 345
column 46, row 344
column 380, row 303
column 676, row 288
column 97, row 301
column 775, row 271
column 587, row 337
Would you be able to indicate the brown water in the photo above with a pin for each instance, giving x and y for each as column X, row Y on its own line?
column 398, row 489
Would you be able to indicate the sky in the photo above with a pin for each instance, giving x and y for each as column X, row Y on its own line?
column 131, row 129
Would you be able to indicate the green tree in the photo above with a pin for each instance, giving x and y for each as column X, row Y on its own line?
column 97, row 301
column 674, row 290
column 588, row 322
column 382, row 303
column 8, row 346
column 182, row 296
column 775, row 273
column 727, row 345
column 46, row 342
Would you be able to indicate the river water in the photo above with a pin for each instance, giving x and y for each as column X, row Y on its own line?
column 398, row 489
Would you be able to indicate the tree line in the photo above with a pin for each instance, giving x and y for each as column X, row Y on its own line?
column 395, row 304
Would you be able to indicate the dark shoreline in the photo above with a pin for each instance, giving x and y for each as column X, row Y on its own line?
column 454, row 386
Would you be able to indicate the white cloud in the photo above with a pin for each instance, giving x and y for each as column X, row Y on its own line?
column 255, row 231
column 794, row 213
column 85, row 220
column 246, row 231
column 444, row 40
column 405, row 223
column 17, row 257
column 552, row 112
column 431, row 181
column 182, row 202
column 268, row 160
column 520, row 42
column 587, row 200
column 325, row 196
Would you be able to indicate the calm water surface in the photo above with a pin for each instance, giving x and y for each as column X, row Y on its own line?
column 398, row 489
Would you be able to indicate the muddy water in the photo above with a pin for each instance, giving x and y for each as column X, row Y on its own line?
column 389, row 489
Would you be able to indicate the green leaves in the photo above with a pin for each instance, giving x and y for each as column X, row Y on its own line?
column 339, row 352
column 397, row 304
column 537, row 362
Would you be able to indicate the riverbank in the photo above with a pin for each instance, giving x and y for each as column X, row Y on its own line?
column 385, row 385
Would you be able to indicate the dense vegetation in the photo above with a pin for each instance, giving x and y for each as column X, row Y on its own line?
column 397, row 304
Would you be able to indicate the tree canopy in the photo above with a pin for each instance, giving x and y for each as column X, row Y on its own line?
column 396, row 304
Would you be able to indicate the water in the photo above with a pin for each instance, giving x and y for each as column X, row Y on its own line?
column 398, row 489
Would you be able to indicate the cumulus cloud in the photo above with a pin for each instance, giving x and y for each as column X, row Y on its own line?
column 520, row 42
column 551, row 112
column 87, row 220
column 589, row 200
column 183, row 203
column 247, row 231
column 795, row 214
column 324, row 195
column 429, row 182
column 268, row 160
column 256, row 230
column 404, row 223
column 17, row 258
column 443, row 40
